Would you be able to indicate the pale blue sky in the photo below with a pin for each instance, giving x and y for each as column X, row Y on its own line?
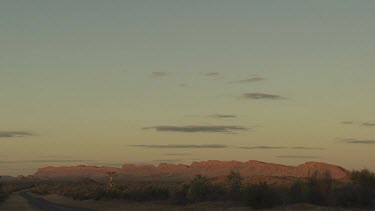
column 79, row 76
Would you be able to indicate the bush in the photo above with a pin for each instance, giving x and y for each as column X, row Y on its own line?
column 364, row 178
column 298, row 192
column 320, row 188
column 3, row 195
column 147, row 192
column 259, row 196
column 346, row 196
column 363, row 183
column 178, row 194
column 234, row 181
column 198, row 189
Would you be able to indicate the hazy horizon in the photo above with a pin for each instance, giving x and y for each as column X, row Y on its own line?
column 112, row 82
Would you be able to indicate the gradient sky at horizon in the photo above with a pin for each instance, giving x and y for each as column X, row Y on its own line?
column 142, row 81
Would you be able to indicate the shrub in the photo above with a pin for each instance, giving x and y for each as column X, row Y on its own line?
column 298, row 192
column 234, row 181
column 259, row 196
column 147, row 192
column 178, row 194
column 320, row 188
column 364, row 178
column 364, row 187
column 198, row 189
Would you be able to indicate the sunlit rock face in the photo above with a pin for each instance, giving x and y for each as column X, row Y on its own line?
column 178, row 172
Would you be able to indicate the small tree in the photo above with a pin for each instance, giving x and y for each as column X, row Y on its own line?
column 297, row 192
column 320, row 187
column 364, row 178
column 364, row 186
column 234, row 181
column 111, row 179
column 260, row 196
column 199, row 188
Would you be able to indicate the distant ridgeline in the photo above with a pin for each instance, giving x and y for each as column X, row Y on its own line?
column 251, row 171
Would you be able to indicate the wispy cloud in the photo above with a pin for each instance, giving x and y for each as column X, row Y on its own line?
column 158, row 74
column 368, row 124
column 212, row 74
column 48, row 156
column 249, row 80
column 297, row 156
column 182, row 146
column 347, row 122
column 280, row 147
column 46, row 161
column 168, row 161
column 198, row 128
column 11, row 134
column 263, row 147
column 223, row 116
column 262, row 96
column 365, row 124
column 357, row 141
column 176, row 154
column 307, row 148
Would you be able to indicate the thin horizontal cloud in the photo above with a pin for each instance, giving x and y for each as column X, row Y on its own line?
column 365, row 124
column 168, row 161
column 198, row 128
column 263, row 147
column 196, row 159
column 182, row 146
column 262, row 96
column 212, row 74
column 297, row 156
column 46, row 161
column 249, row 80
column 347, row 122
column 158, row 74
column 176, row 154
column 223, row 116
column 113, row 164
column 368, row 124
column 278, row 147
column 11, row 134
column 307, row 148
column 357, row 141
column 48, row 156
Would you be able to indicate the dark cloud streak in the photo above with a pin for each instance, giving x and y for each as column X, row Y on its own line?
column 248, row 80
column 357, row 141
column 223, row 116
column 12, row 134
column 347, row 122
column 212, row 74
column 158, row 74
column 176, row 154
column 263, row 147
column 368, row 124
column 198, row 128
column 297, row 156
column 278, row 147
column 262, row 96
column 177, row 146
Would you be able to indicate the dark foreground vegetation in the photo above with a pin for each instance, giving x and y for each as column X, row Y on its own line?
column 6, row 188
column 319, row 189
